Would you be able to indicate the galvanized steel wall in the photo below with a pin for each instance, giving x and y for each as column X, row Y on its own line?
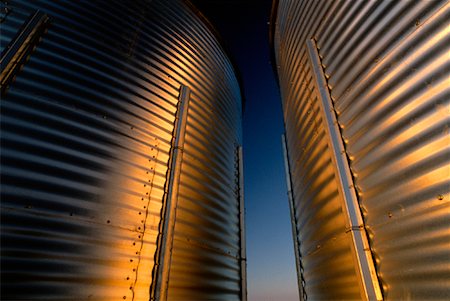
column 387, row 68
column 86, row 135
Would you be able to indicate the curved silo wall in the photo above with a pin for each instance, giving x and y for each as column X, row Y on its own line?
column 375, row 75
column 90, row 122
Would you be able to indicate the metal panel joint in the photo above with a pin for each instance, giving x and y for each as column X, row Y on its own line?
column 370, row 287
column 243, row 256
column 18, row 50
column 163, row 256
column 298, row 256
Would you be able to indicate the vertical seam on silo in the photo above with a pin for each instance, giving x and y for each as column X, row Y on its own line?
column 354, row 221
column 163, row 254
column 243, row 256
column 298, row 256
column 19, row 49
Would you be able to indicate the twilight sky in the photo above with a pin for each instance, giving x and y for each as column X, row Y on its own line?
column 244, row 27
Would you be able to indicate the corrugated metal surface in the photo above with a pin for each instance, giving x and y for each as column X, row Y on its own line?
column 86, row 131
column 325, row 248
column 362, row 255
column 395, row 118
column 207, row 232
column 387, row 67
column 206, row 255
column 15, row 54
column 11, row 21
column 328, row 268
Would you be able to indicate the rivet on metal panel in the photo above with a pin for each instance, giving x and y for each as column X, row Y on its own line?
column 5, row 11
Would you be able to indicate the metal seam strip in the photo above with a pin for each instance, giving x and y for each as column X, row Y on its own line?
column 298, row 257
column 19, row 48
column 241, row 226
column 163, row 257
column 355, row 225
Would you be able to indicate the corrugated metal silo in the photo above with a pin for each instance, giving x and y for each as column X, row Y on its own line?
column 120, row 153
column 365, row 89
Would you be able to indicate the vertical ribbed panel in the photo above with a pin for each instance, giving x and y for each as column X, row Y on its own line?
column 395, row 117
column 207, row 229
column 325, row 247
column 206, row 255
column 328, row 268
column 387, row 67
column 11, row 21
column 86, row 129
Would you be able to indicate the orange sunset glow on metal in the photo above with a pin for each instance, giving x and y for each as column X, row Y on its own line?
column 122, row 150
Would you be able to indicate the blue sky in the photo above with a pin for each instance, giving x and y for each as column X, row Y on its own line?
column 271, row 267
column 271, row 263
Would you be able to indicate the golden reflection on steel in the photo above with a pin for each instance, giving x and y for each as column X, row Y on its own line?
column 87, row 126
column 386, row 69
